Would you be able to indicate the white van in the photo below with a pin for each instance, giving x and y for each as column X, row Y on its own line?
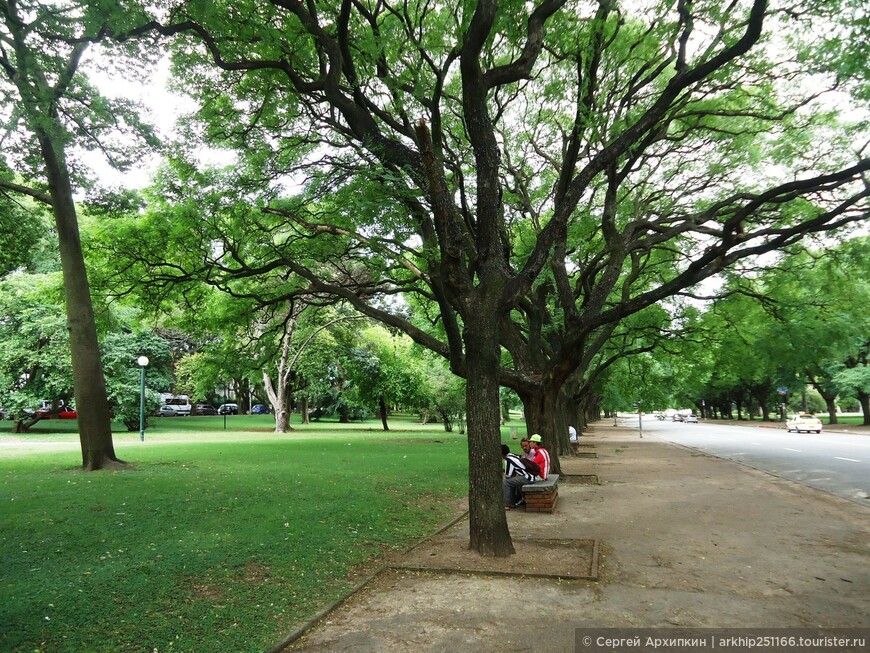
column 181, row 404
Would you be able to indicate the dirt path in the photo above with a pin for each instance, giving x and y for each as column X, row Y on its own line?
column 679, row 539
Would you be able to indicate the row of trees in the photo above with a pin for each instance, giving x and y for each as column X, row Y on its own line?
column 801, row 324
column 534, row 178
column 332, row 369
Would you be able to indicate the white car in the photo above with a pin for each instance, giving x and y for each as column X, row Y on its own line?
column 172, row 411
column 804, row 422
column 691, row 419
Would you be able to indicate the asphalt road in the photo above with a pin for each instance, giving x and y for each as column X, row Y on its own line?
column 834, row 462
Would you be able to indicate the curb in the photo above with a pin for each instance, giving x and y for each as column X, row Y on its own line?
column 308, row 625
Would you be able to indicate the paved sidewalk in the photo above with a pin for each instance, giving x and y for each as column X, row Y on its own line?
column 686, row 540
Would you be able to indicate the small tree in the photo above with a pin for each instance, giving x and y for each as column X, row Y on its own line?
column 383, row 370
column 120, row 353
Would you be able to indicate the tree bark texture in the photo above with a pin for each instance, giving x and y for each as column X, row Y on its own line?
column 487, row 521
column 94, row 418
column 864, row 400
column 542, row 417
column 303, row 409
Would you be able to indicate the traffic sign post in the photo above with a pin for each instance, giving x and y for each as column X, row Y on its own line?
column 784, row 392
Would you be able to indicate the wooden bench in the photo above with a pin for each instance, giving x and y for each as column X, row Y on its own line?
column 541, row 496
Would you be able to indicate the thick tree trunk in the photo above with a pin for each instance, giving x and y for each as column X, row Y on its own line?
column 23, row 425
column 542, row 417
column 831, row 403
column 282, row 420
column 572, row 404
column 586, row 408
column 566, row 414
column 764, row 408
column 533, row 409
column 243, row 398
column 864, row 400
column 488, row 524
column 94, row 418
column 279, row 400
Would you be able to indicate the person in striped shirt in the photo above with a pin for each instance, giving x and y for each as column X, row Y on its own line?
column 540, row 456
column 515, row 476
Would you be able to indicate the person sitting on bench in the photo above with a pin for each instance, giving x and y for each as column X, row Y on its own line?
column 540, row 456
column 515, row 476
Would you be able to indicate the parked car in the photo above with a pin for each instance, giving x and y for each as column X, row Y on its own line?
column 804, row 422
column 228, row 409
column 66, row 412
column 259, row 409
column 171, row 411
column 204, row 409
column 691, row 419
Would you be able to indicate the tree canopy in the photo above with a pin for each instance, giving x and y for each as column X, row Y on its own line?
column 573, row 161
column 532, row 176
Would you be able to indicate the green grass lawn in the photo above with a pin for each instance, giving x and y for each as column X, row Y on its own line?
column 851, row 419
column 216, row 540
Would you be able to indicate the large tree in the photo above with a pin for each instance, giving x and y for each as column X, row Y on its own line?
column 50, row 110
column 474, row 154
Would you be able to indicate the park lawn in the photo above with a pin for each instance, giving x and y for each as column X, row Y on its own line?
column 215, row 540
column 844, row 420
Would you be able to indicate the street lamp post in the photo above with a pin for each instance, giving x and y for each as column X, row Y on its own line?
column 639, row 417
column 783, row 406
column 143, row 363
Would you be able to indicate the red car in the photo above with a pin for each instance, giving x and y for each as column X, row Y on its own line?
column 65, row 413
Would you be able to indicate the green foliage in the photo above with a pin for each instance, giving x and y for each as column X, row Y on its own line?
column 800, row 322
column 383, row 366
column 814, row 402
column 48, row 94
column 35, row 359
column 226, row 543
column 34, row 354
column 444, row 395
column 854, row 379
column 24, row 235
column 123, row 381
column 662, row 173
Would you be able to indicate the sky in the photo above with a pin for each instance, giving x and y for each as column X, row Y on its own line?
column 164, row 108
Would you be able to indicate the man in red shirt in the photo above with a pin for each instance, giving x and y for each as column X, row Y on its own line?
column 540, row 456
